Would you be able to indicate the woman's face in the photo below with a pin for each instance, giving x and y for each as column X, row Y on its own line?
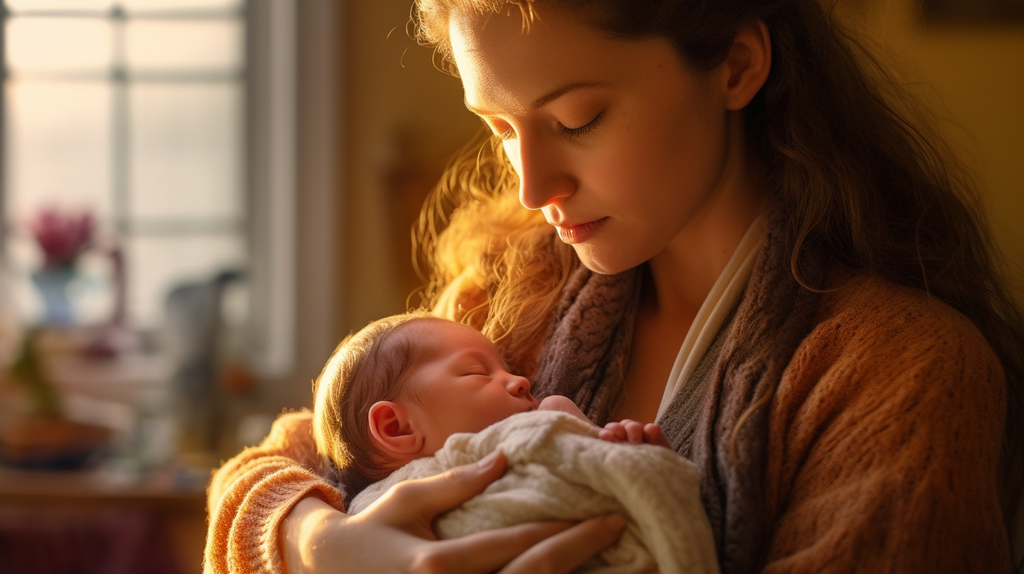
column 618, row 142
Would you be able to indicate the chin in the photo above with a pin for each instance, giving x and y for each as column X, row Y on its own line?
column 604, row 264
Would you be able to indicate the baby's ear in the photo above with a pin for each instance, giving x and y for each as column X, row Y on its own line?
column 392, row 431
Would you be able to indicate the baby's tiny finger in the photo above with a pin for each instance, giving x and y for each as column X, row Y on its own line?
column 634, row 432
column 616, row 429
column 654, row 435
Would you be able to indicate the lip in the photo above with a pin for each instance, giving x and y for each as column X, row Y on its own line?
column 579, row 233
column 534, row 403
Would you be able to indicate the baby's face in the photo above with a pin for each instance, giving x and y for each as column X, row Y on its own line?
column 462, row 385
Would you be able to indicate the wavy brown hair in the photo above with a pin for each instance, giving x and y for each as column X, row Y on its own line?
column 848, row 153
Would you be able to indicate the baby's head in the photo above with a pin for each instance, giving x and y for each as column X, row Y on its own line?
column 397, row 389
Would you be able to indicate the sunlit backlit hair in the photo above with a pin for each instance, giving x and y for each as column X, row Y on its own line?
column 847, row 151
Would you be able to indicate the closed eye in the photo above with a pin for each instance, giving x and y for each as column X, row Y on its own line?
column 573, row 133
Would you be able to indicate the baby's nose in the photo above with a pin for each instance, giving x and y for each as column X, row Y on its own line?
column 518, row 386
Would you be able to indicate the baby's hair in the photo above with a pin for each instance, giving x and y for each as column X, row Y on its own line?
column 367, row 367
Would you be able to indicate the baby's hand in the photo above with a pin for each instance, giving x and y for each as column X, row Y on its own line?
column 563, row 404
column 634, row 433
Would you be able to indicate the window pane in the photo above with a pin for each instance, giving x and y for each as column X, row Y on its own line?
column 180, row 5
column 50, row 44
column 58, row 146
column 155, row 265
column 202, row 45
column 186, row 151
column 17, row 5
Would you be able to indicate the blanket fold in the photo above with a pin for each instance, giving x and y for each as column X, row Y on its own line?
column 559, row 470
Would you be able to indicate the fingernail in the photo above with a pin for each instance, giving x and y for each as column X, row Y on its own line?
column 614, row 522
column 488, row 460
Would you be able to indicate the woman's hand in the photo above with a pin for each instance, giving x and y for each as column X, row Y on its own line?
column 395, row 533
column 630, row 431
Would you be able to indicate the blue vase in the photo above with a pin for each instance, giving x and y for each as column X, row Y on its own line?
column 52, row 285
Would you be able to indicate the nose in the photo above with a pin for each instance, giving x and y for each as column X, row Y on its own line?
column 542, row 171
column 517, row 386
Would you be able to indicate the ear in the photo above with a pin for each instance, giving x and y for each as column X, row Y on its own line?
column 392, row 431
column 747, row 64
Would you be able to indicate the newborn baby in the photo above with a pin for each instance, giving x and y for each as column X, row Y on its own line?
column 412, row 395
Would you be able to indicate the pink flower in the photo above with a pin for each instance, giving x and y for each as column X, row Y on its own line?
column 62, row 236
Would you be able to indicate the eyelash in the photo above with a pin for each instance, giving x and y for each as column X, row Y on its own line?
column 569, row 133
column 573, row 133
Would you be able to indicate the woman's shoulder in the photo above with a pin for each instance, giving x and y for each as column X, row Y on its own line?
column 289, row 444
column 876, row 342
column 870, row 317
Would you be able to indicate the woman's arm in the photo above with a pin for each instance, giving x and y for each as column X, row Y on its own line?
column 250, row 495
column 271, row 510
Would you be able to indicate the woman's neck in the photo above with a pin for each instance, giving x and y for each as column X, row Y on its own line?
column 676, row 283
column 683, row 274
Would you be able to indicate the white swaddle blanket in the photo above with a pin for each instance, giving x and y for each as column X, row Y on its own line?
column 559, row 470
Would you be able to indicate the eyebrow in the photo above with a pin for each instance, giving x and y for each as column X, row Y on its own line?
column 465, row 354
column 462, row 356
column 549, row 97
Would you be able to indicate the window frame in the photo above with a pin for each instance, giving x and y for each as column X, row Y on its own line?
column 289, row 79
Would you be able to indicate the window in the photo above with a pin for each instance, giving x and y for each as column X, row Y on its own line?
column 134, row 110
column 275, row 61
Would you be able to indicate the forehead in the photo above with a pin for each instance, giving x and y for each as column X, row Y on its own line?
column 506, row 65
column 435, row 339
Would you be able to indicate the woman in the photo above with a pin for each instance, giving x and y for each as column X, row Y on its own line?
column 778, row 265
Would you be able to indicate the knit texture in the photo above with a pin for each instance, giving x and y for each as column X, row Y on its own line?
column 559, row 470
column 249, row 496
column 584, row 355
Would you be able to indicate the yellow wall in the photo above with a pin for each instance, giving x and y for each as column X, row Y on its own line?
column 975, row 76
column 398, row 109
column 393, row 94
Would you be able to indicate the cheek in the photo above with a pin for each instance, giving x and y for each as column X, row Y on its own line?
column 686, row 153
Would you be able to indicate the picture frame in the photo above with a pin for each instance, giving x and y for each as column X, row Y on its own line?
column 973, row 11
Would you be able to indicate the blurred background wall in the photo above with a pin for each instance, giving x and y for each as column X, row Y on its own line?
column 972, row 73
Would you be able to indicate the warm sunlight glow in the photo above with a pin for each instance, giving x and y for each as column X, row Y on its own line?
column 58, row 44
column 213, row 45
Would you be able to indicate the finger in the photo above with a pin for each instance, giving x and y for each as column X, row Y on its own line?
column 565, row 551
column 654, row 435
column 635, row 432
column 607, row 435
column 489, row 550
column 427, row 497
column 620, row 431
column 616, row 431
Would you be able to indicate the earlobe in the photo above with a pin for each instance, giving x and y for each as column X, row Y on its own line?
column 748, row 64
column 392, row 429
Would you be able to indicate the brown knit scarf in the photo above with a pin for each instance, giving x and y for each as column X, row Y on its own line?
column 585, row 356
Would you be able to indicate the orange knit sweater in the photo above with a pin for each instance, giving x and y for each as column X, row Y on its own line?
column 884, row 441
